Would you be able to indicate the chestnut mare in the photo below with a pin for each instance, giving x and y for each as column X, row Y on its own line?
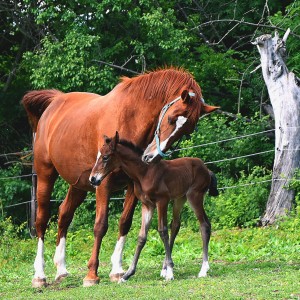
column 155, row 184
column 68, row 130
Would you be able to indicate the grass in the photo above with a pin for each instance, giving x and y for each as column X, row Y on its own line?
column 253, row 263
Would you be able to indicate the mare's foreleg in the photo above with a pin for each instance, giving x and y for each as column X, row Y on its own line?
column 66, row 213
column 162, row 210
column 124, row 226
column 46, row 175
column 196, row 200
column 100, row 229
column 147, row 213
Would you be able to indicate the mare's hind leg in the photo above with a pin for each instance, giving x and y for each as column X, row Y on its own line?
column 66, row 212
column 196, row 200
column 175, row 226
column 162, row 210
column 124, row 226
column 46, row 175
column 147, row 213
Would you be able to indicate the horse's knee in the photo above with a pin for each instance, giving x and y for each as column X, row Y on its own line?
column 142, row 241
column 100, row 229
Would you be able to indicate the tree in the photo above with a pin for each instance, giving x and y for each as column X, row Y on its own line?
column 284, row 92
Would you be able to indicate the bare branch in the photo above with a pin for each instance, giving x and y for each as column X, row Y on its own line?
column 246, row 23
column 116, row 67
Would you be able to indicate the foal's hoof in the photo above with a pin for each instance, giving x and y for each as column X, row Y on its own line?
column 90, row 282
column 61, row 277
column 116, row 277
column 39, row 283
column 122, row 280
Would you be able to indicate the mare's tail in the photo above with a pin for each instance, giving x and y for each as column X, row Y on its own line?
column 212, row 189
column 36, row 102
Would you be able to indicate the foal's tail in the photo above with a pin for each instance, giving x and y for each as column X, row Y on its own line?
column 36, row 102
column 212, row 189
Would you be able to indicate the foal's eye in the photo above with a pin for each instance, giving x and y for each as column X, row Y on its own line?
column 105, row 158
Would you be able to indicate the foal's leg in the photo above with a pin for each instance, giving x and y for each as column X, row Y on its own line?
column 46, row 175
column 147, row 213
column 162, row 210
column 175, row 226
column 124, row 226
column 66, row 212
column 196, row 200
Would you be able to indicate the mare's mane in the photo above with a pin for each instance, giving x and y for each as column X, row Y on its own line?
column 162, row 84
column 131, row 146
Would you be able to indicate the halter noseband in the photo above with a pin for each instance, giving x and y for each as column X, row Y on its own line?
column 162, row 114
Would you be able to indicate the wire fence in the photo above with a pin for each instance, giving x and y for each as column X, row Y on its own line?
column 179, row 149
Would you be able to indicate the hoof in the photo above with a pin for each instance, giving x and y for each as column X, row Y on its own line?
column 61, row 277
column 38, row 282
column 116, row 277
column 122, row 280
column 90, row 282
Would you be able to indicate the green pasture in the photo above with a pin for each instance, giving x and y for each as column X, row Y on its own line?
column 252, row 263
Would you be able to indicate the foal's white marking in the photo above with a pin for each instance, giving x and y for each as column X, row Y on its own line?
column 116, row 258
column 39, row 261
column 60, row 258
column 204, row 269
column 167, row 273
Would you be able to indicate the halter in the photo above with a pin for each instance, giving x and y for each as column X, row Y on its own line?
column 162, row 114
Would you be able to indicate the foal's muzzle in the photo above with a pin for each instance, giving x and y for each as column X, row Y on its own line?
column 95, row 180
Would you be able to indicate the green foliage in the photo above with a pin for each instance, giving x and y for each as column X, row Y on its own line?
column 71, row 65
column 290, row 19
column 295, row 185
column 243, row 204
column 213, row 130
column 13, row 191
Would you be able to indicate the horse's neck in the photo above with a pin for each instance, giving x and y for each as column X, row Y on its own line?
column 131, row 163
column 143, row 115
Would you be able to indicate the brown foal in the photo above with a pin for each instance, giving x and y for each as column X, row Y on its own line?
column 155, row 185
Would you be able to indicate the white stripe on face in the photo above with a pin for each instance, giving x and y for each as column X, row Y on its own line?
column 98, row 156
column 179, row 123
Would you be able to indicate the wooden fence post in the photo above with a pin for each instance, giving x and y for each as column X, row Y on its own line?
column 284, row 93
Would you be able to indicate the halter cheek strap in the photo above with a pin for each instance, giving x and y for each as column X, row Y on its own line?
column 162, row 114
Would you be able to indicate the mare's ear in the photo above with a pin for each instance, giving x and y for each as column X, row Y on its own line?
column 185, row 96
column 107, row 140
column 206, row 109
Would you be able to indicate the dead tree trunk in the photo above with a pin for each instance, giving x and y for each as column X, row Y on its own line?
column 284, row 93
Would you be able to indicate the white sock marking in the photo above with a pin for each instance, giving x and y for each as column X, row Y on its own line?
column 116, row 258
column 60, row 258
column 39, row 263
column 204, row 269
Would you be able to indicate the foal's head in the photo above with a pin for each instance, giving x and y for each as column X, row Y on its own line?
column 106, row 161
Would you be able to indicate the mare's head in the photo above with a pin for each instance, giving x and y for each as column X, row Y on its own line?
column 184, row 105
column 106, row 161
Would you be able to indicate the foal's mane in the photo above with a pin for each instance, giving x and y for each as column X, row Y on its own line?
column 131, row 146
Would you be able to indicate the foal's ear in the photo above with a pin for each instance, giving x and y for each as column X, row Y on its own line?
column 185, row 96
column 117, row 137
column 115, row 141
